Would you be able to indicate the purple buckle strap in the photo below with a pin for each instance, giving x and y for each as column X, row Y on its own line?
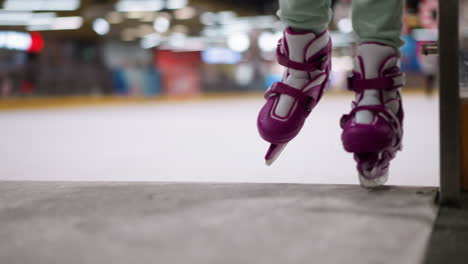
column 315, row 63
column 281, row 88
column 381, row 83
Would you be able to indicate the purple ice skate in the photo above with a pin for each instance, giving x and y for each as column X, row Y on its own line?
column 307, row 58
column 373, row 129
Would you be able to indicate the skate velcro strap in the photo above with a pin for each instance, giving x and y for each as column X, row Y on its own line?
column 282, row 88
column 381, row 83
column 316, row 63
column 308, row 67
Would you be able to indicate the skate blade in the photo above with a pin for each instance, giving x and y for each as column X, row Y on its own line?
column 273, row 152
column 373, row 183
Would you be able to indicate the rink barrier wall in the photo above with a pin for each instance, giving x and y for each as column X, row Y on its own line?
column 90, row 101
column 32, row 103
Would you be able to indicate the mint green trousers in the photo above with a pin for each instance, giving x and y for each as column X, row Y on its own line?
column 373, row 20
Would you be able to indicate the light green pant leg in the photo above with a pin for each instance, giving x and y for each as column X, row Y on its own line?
column 378, row 20
column 311, row 15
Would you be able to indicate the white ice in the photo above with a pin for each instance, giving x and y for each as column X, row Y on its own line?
column 200, row 141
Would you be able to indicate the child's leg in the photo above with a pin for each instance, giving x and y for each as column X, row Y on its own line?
column 313, row 15
column 373, row 130
column 378, row 21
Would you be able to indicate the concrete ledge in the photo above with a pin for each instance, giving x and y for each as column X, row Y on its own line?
column 53, row 222
column 449, row 239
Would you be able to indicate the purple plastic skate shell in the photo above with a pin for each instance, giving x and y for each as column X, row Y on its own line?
column 278, row 129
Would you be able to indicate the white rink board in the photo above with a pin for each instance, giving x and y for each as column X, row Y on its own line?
column 208, row 141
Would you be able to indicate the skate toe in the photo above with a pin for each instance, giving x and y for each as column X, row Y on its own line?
column 372, row 137
column 276, row 130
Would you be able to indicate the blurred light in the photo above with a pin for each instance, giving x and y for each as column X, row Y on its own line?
column 59, row 23
column 345, row 25
column 140, row 5
column 210, row 32
column 218, row 55
column 268, row 41
column 114, row 17
column 42, row 5
column 30, row 42
column 208, row 18
column 175, row 4
column 21, row 18
column 150, row 41
column 42, row 19
column 177, row 40
column 67, row 23
column 226, row 17
column 343, row 63
column 101, row 26
column 185, row 13
column 245, row 74
column 161, row 24
column 15, row 40
column 425, row 34
column 239, row 42
column 14, row 18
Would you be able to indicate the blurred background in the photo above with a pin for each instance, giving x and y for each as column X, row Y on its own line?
column 194, row 72
column 172, row 47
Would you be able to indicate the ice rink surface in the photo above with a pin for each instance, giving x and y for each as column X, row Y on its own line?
column 200, row 141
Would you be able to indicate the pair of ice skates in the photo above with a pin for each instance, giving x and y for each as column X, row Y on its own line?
column 372, row 130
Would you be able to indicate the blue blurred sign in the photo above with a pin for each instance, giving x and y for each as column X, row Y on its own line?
column 409, row 52
column 220, row 55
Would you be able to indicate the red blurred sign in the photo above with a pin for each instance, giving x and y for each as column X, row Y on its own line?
column 37, row 42
column 180, row 72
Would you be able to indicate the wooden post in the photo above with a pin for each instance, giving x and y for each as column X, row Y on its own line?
column 464, row 150
column 450, row 127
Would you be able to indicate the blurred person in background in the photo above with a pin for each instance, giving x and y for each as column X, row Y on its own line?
column 373, row 129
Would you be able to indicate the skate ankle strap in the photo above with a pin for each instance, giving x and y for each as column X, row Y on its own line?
column 387, row 83
column 316, row 62
column 281, row 88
